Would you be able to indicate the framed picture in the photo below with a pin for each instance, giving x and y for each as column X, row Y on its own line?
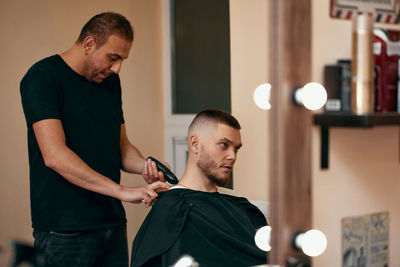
column 383, row 11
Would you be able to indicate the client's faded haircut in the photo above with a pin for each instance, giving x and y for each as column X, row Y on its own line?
column 216, row 116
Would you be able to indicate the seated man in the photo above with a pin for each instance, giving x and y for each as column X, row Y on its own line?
column 192, row 217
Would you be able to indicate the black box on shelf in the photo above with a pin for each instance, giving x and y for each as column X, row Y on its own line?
column 337, row 82
column 345, row 80
column 332, row 82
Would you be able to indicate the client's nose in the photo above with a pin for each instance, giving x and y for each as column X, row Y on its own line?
column 232, row 154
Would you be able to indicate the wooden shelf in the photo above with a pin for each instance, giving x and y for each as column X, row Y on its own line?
column 326, row 120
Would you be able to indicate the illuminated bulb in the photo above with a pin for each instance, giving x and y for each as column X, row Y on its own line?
column 263, row 237
column 313, row 242
column 262, row 96
column 186, row 261
column 313, row 96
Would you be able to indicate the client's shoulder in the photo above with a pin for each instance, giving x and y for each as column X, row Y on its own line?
column 256, row 215
column 172, row 198
column 232, row 195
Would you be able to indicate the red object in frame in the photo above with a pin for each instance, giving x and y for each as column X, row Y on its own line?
column 387, row 54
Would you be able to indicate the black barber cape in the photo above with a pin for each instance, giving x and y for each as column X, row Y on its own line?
column 215, row 229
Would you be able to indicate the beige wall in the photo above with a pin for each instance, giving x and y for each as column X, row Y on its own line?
column 364, row 168
column 32, row 30
column 364, row 164
column 249, row 69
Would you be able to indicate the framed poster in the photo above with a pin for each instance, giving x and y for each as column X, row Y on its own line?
column 384, row 11
column 365, row 240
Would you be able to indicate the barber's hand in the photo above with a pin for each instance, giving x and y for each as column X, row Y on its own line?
column 146, row 194
column 150, row 172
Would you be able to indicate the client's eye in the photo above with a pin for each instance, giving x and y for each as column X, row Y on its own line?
column 223, row 145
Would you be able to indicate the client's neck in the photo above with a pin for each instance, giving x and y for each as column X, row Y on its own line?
column 195, row 179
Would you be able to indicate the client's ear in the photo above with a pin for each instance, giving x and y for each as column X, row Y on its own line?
column 194, row 143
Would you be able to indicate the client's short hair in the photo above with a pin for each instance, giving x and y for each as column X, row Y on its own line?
column 215, row 115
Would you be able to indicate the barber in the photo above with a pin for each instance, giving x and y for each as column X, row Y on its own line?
column 77, row 146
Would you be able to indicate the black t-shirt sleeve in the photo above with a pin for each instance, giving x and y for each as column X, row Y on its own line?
column 39, row 95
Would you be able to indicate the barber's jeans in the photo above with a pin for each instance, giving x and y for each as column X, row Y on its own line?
column 95, row 248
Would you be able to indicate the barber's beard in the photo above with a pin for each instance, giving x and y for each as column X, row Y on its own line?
column 209, row 168
column 91, row 72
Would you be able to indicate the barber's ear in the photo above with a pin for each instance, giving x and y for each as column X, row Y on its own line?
column 89, row 44
column 194, row 143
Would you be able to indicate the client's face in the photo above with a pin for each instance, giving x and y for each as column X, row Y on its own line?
column 218, row 152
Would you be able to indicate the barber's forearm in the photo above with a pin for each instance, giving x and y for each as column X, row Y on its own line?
column 132, row 160
column 76, row 171
column 57, row 156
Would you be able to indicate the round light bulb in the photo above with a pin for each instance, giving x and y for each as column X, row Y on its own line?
column 313, row 242
column 314, row 96
column 263, row 237
column 185, row 261
column 262, row 96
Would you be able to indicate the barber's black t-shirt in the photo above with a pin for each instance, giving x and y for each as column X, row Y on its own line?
column 91, row 116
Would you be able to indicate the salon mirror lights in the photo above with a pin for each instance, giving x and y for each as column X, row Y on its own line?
column 186, row 261
column 313, row 242
column 263, row 238
column 312, row 96
column 262, row 96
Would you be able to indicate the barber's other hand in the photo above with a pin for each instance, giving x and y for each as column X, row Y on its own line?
column 150, row 172
column 146, row 194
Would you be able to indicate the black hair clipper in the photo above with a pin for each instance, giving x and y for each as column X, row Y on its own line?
column 168, row 175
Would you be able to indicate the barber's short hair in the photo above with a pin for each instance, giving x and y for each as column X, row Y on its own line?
column 103, row 25
column 216, row 115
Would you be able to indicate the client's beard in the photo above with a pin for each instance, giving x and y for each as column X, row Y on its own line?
column 206, row 167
